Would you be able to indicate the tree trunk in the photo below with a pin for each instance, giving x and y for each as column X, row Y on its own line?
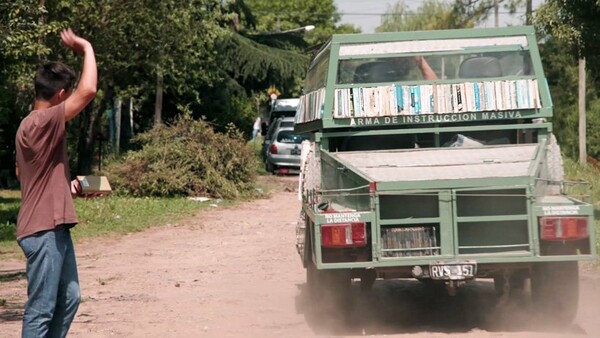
column 87, row 136
column 159, row 99
column 89, row 121
column 118, row 118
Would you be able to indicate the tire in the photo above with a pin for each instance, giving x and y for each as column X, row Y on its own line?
column 555, row 290
column 269, row 167
column 325, row 283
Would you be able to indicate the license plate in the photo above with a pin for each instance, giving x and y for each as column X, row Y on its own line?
column 295, row 151
column 452, row 270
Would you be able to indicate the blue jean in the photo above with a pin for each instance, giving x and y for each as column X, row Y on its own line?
column 53, row 285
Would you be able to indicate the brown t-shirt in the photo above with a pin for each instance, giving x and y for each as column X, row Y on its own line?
column 44, row 172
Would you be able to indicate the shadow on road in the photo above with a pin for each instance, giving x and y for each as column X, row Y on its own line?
column 408, row 306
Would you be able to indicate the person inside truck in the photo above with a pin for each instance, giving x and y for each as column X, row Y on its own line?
column 394, row 69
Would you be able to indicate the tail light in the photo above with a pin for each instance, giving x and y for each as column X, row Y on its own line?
column 563, row 228
column 372, row 187
column 273, row 149
column 343, row 235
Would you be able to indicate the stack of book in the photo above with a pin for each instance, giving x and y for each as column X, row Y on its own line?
column 311, row 106
column 436, row 99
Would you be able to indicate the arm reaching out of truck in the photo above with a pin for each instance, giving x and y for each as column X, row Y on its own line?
column 426, row 70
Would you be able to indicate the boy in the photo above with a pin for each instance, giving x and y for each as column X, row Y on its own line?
column 47, row 211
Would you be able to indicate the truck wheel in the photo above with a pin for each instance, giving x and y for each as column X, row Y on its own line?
column 327, row 287
column 555, row 290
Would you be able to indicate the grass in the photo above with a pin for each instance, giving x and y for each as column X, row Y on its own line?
column 103, row 216
column 256, row 146
column 590, row 192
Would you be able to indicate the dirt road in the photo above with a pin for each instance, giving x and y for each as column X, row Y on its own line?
column 234, row 272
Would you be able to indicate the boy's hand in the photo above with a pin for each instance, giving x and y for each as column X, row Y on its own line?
column 76, row 189
column 74, row 42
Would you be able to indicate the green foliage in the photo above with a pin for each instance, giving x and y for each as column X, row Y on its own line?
column 437, row 14
column 9, row 209
column 245, row 58
column 560, row 66
column 205, row 64
column 187, row 158
column 575, row 23
column 278, row 15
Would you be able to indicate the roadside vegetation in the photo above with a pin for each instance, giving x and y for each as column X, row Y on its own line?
column 103, row 216
column 151, row 185
column 187, row 158
column 589, row 192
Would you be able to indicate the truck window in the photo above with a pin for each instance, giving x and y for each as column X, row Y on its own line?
column 447, row 67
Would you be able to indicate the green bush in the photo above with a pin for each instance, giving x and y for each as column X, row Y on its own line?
column 187, row 158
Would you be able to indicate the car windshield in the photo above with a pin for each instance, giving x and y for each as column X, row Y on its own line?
column 288, row 136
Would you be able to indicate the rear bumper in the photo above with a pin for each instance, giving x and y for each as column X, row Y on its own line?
column 291, row 161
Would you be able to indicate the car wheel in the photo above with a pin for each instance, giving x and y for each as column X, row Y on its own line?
column 269, row 167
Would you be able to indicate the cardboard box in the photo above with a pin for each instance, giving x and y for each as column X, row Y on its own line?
column 94, row 184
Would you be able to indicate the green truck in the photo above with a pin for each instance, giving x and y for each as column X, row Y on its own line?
column 432, row 157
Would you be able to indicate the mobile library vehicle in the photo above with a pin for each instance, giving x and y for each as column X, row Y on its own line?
column 431, row 157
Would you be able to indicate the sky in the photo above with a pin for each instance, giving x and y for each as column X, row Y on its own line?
column 366, row 14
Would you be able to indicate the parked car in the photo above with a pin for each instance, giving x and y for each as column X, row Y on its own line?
column 283, row 108
column 284, row 150
column 279, row 109
column 281, row 122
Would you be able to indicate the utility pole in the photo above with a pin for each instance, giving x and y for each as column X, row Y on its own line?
column 529, row 12
column 496, row 14
column 582, row 117
column 159, row 98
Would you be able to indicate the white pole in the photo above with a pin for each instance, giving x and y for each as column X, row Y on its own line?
column 582, row 117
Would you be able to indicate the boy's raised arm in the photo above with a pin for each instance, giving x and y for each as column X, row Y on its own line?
column 86, row 88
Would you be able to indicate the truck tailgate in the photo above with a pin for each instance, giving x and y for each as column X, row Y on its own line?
column 441, row 163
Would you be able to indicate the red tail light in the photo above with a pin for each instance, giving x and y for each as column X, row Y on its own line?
column 273, row 149
column 563, row 228
column 372, row 187
column 343, row 235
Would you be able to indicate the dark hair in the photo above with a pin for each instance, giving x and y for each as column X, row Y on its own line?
column 52, row 77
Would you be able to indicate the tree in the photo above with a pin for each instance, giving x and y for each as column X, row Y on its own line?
column 436, row 14
column 576, row 24
column 278, row 15
column 573, row 27
column 205, row 60
column 136, row 43
column 22, row 45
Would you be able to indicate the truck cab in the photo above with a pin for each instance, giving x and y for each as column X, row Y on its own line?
column 432, row 157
